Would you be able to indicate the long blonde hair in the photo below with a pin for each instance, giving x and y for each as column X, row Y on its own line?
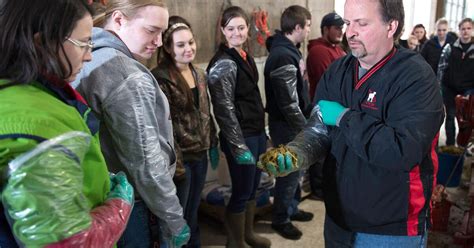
column 128, row 7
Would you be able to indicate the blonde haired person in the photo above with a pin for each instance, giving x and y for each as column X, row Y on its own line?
column 136, row 131
column 431, row 50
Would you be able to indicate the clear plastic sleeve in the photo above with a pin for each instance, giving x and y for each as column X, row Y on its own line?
column 311, row 144
column 284, row 80
column 45, row 203
column 222, row 81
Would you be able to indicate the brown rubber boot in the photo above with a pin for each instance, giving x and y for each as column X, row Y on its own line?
column 235, row 224
column 251, row 237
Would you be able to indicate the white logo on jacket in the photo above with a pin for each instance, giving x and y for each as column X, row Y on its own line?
column 371, row 97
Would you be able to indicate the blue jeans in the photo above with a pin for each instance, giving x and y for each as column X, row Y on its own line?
column 142, row 228
column 196, row 172
column 245, row 178
column 287, row 192
column 336, row 237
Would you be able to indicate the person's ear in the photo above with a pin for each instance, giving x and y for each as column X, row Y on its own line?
column 392, row 28
column 118, row 20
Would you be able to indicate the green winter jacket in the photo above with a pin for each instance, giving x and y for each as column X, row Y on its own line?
column 32, row 113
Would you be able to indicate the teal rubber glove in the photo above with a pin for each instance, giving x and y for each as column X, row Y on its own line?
column 331, row 112
column 214, row 157
column 120, row 188
column 245, row 158
column 182, row 238
column 284, row 165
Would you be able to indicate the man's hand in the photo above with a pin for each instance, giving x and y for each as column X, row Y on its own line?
column 331, row 112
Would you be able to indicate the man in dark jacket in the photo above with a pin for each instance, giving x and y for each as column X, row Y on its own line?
column 288, row 106
column 382, row 109
column 456, row 73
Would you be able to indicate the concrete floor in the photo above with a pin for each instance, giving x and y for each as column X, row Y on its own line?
column 213, row 233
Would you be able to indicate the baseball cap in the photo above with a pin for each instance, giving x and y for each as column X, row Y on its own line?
column 332, row 19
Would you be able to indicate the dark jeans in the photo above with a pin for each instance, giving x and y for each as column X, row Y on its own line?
column 449, row 96
column 196, row 177
column 287, row 192
column 142, row 229
column 6, row 236
column 336, row 237
column 245, row 178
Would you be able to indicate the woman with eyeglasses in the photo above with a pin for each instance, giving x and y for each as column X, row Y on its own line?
column 56, row 190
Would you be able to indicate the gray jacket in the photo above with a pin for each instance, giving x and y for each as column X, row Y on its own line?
column 136, row 131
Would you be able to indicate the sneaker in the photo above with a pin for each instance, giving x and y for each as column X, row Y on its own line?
column 287, row 230
column 302, row 216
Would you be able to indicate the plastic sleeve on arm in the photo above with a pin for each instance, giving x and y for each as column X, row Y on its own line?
column 443, row 62
column 222, row 81
column 284, row 80
column 131, row 116
column 311, row 144
column 44, row 200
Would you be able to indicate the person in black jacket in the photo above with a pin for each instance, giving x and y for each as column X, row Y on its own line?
column 456, row 73
column 288, row 106
column 431, row 50
column 238, row 108
column 383, row 109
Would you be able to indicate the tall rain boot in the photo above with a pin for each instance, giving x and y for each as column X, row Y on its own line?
column 235, row 224
column 253, row 239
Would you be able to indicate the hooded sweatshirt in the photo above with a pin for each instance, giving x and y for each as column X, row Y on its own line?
column 136, row 132
column 321, row 53
column 286, row 88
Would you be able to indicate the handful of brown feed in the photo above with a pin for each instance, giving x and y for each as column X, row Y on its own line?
column 268, row 161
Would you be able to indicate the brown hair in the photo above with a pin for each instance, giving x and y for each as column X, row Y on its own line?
column 392, row 10
column 292, row 16
column 128, row 7
column 166, row 60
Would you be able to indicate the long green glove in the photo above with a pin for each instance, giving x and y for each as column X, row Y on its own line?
column 214, row 157
column 331, row 112
column 120, row 188
column 245, row 158
column 182, row 238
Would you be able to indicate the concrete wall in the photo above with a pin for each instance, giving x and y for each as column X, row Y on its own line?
column 203, row 16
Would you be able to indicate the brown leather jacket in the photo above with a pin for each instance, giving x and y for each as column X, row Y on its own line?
column 194, row 130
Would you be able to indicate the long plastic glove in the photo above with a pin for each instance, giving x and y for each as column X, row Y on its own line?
column 45, row 203
column 214, row 157
column 284, row 85
column 182, row 238
column 332, row 112
column 222, row 82
column 310, row 146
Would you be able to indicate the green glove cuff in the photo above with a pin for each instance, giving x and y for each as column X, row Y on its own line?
column 182, row 238
column 245, row 158
column 214, row 157
column 332, row 112
column 120, row 188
